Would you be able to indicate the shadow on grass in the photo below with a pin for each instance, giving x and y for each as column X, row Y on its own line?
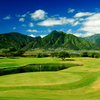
column 69, row 60
column 13, row 58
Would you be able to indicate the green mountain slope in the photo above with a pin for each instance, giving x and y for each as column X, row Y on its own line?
column 60, row 39
column 94, row 38
column 15, row 40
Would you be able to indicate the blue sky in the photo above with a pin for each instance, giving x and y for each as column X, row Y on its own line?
column 40, row 17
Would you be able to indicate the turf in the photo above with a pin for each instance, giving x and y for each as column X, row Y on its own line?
column 75, row 83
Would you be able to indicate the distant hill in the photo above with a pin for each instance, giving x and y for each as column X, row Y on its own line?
column 94, row 38
column 14, row 39
column 60, row 39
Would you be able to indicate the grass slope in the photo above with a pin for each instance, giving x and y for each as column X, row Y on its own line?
column 75, row 83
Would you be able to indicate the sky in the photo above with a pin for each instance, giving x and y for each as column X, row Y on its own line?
column 40, row 17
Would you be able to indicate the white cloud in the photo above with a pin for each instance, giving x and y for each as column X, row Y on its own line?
column 69, row 31
column 24, row 25
column 71, row 10
column 14, row 28
column 22, row 19
column 24, row 15
column 76, row 23
column 42, row 36
column 49, row 22
column 32, row 35
column 79, row 35
column 81, row 19
column 91, row 25
column 7, row 17
column 49, row 30
column 82, row 14
column 31, row 24
column 38, row 15
column 54, row 21
column 29, row 30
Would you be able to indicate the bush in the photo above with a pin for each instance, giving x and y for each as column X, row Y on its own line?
column 84, row 54
column 63, row 55
column 93, row 54
column 41, row 55
column 74, row 55
column 54, row 54
column 96, row 56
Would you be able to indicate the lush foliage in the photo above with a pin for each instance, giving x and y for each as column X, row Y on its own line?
column 11, row 52
column 15, row 40
column 63, row 55
column 61, row 40
column 90, row 54
column 94, row 39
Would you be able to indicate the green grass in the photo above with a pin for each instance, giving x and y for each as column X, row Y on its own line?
column 75, row 83
column 20, row 61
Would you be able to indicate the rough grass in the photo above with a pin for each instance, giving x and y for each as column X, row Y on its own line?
column 75, row 83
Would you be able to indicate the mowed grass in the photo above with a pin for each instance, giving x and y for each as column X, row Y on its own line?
column 75, row 83
column 21, row 61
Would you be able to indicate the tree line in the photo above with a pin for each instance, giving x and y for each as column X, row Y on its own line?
column 12, row 52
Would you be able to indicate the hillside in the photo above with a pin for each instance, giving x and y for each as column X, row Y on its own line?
column 94, row 38
column 15, row 40
column 60, row 39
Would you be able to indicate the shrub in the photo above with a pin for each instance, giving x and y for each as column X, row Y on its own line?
column 74, row 55
column 40, row 55
column 93, row 54
column 96, row 56
column 54, row 54
column 63, row 55
column 84, row 54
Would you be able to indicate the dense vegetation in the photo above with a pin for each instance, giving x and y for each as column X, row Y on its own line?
column 53, row 40
column 60, row 39
column 15, row 40
column 94, row 39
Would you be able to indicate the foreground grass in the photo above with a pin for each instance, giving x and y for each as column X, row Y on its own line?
column 75, row 83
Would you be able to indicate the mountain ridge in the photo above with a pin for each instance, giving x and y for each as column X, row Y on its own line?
column 94, row 38
column 60, row 39
column 53, row 40
column 15, row 40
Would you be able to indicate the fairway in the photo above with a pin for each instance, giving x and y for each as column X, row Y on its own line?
column 75, row 83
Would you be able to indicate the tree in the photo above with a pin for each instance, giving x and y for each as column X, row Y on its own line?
column 20, row 52
column 63, row 55
column 5, row 52
column 54, row 54
column 96, row 56
column 84, row 54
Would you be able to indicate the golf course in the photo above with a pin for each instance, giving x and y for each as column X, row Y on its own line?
column 81, row 82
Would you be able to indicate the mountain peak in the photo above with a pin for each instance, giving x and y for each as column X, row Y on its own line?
column 60, row 39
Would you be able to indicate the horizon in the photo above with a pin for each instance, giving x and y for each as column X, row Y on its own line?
column 40, row 17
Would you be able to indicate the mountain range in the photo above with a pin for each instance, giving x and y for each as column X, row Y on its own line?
column 53, row 40
column 60, row 39
column 94, row 39
column 15, row 40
